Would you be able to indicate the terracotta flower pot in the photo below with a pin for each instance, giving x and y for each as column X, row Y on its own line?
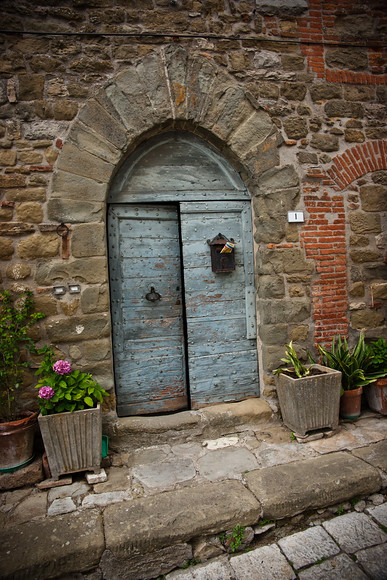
column 17, row 441
column 377, row 396
column 350, row 403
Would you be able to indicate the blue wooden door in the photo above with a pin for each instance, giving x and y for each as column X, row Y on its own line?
column 220, row 307
column 147, row 315
column 183, row 335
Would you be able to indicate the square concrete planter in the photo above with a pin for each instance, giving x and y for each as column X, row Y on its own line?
column 72, row 440
column 311, row 402
column 377, row 396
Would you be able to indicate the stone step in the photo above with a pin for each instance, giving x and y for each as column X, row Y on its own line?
column 129, row 433
column 144, row 532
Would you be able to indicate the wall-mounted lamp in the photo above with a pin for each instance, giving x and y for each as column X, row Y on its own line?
column 59, row 290
column 74, row 288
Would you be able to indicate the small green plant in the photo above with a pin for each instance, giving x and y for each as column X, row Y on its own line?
column 296, row 367
column 265, row 522
column 234, row 540
column 62, row 389
column 293, row 437
column 340, row 510
column 16, row 319
column 192, row 562
column 354, row 501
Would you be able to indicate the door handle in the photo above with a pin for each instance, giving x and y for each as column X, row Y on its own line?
column 152, row 296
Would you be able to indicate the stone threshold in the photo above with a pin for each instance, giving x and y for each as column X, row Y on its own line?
column 211, row 422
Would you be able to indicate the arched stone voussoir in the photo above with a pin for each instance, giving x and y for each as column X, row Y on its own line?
column 251, row 134
column 99, row 120
column 81, row 162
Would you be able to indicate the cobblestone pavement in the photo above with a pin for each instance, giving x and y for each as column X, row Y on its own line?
column 351, row 546
column 341, row 541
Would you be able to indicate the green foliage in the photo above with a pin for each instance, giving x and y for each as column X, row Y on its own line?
column 234, row 540
column 192, row 562
column 355, row 365
column 296, row 365
column 16, row 319
column 340, row 510
column 72, row 391
column 379, row 353
column 265, row 522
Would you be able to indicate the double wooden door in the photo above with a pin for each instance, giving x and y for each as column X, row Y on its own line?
column 183, row 335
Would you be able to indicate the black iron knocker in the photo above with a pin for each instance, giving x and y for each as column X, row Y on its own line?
column 152, row 296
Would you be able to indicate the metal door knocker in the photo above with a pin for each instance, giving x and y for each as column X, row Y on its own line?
column 152, row 296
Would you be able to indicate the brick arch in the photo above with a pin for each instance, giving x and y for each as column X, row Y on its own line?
column 170, row 88
column 357, row 161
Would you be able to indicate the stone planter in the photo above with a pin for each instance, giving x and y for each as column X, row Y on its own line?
column 350, row 403
column 311, row 402
column 377, row 396
column 72, row 440
column 17, row 441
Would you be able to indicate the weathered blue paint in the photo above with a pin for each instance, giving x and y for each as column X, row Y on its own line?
column 198, row 342
column 148, row 336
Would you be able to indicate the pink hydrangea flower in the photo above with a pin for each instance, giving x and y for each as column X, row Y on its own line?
column 46, row 393
column 62, row 367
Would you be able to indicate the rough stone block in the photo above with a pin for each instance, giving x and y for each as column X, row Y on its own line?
column 223, row 463
column 373, row 561
column 151, row 565
column 336, row 108
column 28, row 475
column 74, row 160
column 48, row 546
column 96, row 144
column 79, row 328
column 251, row 133
column 88, row 240
column 97, row 118
column 289, row 489
column 72, row 211
column 325, row 142
column 375, row 454
column 267, row 562
column 39, row 246
column 75, row 187
column 307, row 547
column 337, row 568
column 373, row 197
column 161, row 520
column 355, row 531
column 364, row 223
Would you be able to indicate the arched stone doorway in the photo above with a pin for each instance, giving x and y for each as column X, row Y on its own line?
column 169, row 89
column 184, row 335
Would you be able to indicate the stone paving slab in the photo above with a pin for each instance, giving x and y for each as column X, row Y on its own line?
column 46, row 548
column 375, row 454
column 339, row 568
column 230, row 462
column 267, row 562
column 285, row 490
column 379, row 513
column 305, row 548
column 218, row 569
column 161, row 520
column 374, row 561
column 355, row 531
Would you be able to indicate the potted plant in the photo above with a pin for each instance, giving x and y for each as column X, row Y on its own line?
column 17, row 426
column 355, row 367
column 308, row 395
column 376, row 391
column 70, row 417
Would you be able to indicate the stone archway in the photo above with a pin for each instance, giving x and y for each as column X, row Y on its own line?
column 168, row 89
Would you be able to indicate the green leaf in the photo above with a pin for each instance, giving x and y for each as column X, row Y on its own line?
column 89, row 401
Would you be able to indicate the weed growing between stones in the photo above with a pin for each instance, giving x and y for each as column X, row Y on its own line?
column 234, row 540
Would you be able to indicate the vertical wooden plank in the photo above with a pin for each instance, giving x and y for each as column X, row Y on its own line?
column 220, row 311
column 148, row 332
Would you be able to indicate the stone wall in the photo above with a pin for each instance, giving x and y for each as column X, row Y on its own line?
column 292, row 93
